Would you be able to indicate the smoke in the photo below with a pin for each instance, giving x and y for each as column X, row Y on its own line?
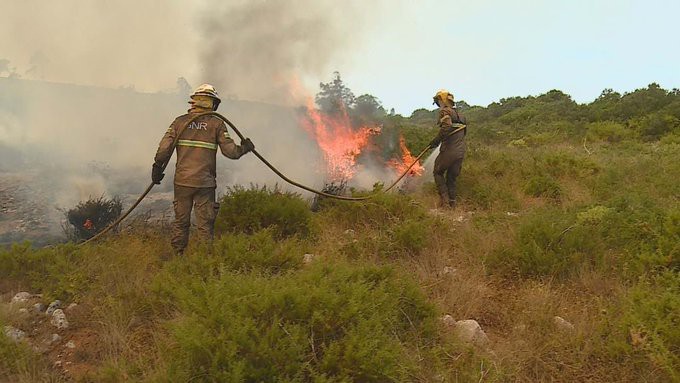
column 87, row 88
column 253, row 49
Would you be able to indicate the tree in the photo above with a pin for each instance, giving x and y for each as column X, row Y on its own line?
column 334, row 97
column 183, row 86
column 368, row 108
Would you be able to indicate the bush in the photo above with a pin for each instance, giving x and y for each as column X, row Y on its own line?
column 609, row 131
column 251, row 210
column 647, row 326
column 327, row 322
column 92, row 216
column 543, row 186
column 550, row 242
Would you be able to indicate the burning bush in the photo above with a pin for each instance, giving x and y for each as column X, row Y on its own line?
column 250, row 210
column 92, row 216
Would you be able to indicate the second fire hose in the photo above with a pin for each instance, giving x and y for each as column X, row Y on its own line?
column 267, row 163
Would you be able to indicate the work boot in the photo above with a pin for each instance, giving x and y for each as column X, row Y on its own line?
column 444, row 201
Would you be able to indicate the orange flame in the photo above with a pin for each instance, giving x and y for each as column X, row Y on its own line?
column 339, row 142
column 400, row 165
column 88, row 225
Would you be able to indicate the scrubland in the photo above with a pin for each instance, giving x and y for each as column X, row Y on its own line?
column 564, row 210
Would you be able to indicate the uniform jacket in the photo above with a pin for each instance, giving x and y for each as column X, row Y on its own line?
column 449, row 121
column 197, row 149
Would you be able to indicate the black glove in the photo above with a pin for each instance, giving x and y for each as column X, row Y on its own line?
column 247, row 145
column 157, row 173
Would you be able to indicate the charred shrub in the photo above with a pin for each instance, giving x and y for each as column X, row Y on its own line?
column 92, row 216
column 248, row 211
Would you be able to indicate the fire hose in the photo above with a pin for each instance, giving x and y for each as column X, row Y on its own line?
column 267, row 163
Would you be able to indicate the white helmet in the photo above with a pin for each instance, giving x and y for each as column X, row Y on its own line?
column 206, row 90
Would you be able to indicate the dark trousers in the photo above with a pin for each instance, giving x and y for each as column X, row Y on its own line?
column 447, row 167
column 187, row 198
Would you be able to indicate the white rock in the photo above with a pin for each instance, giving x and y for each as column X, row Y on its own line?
column 59, row 319
column 448, row 270
column 448, row 320
column 70, row 344
column 21, row 297
column 470, row 331
column 53, row 306
column 349, row 232
column 23, row 310
column 56, row 338
column 14, row 333
column 562, row 324
column 511, row 214
column 308, row 258
column 39, row 307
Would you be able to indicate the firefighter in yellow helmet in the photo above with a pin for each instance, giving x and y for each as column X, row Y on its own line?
column 195, row 170
column 448, row 164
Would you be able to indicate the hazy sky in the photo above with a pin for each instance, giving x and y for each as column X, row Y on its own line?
column 399, row 51
column 485, row 50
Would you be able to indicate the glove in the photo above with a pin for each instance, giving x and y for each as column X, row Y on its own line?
column 157, row 174
column 434, row 143
column 247, row 145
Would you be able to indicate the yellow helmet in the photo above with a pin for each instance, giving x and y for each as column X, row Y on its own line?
column 442, row 96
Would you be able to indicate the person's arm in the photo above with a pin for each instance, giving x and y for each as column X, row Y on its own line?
column 163, row 154
column 444, row 124
column 165, row 147
column 229, row 148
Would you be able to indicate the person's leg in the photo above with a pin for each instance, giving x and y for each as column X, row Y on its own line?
column 184, row 200
column 206, row 212
column 451, row 174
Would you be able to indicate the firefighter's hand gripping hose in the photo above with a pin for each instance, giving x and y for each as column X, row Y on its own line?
column 267, row 163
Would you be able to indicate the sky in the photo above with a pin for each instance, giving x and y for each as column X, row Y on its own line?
column 400, row 51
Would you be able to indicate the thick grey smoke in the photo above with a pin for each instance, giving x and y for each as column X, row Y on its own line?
column 254, row 49
column 87, row 88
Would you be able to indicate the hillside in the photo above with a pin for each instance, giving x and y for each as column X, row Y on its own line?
column 565, row 248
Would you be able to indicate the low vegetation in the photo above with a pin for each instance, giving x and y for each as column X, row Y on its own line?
column 565, row 210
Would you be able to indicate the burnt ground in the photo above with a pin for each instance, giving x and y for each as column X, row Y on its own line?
column 24, row 212
column 28, row 211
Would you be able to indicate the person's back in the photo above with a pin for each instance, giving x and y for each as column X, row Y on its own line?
column 451, row 136
column 196, row 140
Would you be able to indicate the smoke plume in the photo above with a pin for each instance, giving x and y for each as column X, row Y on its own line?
column 87, row 89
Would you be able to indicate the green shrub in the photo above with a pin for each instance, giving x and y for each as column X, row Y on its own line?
column 543, row 186
column 646, row 326
column 550, row 242
column 381, row 210
column 251, row 210
column 326, row 322
column 412, row 235
column 609, row 131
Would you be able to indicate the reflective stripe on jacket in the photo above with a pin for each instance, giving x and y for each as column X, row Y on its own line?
column 197, row 149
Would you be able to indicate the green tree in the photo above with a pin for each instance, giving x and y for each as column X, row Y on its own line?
column 334, row 97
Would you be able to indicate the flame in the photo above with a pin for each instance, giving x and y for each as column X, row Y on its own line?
column 340, row 143
column 400, row 165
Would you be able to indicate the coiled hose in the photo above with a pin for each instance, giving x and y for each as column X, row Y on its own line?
column 261, row 158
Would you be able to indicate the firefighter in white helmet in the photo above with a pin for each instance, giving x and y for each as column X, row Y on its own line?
column 448, row 164
column 195, row 171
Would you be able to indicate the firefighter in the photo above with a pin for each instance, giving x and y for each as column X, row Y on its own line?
column 451, row 136
column 195, row 171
